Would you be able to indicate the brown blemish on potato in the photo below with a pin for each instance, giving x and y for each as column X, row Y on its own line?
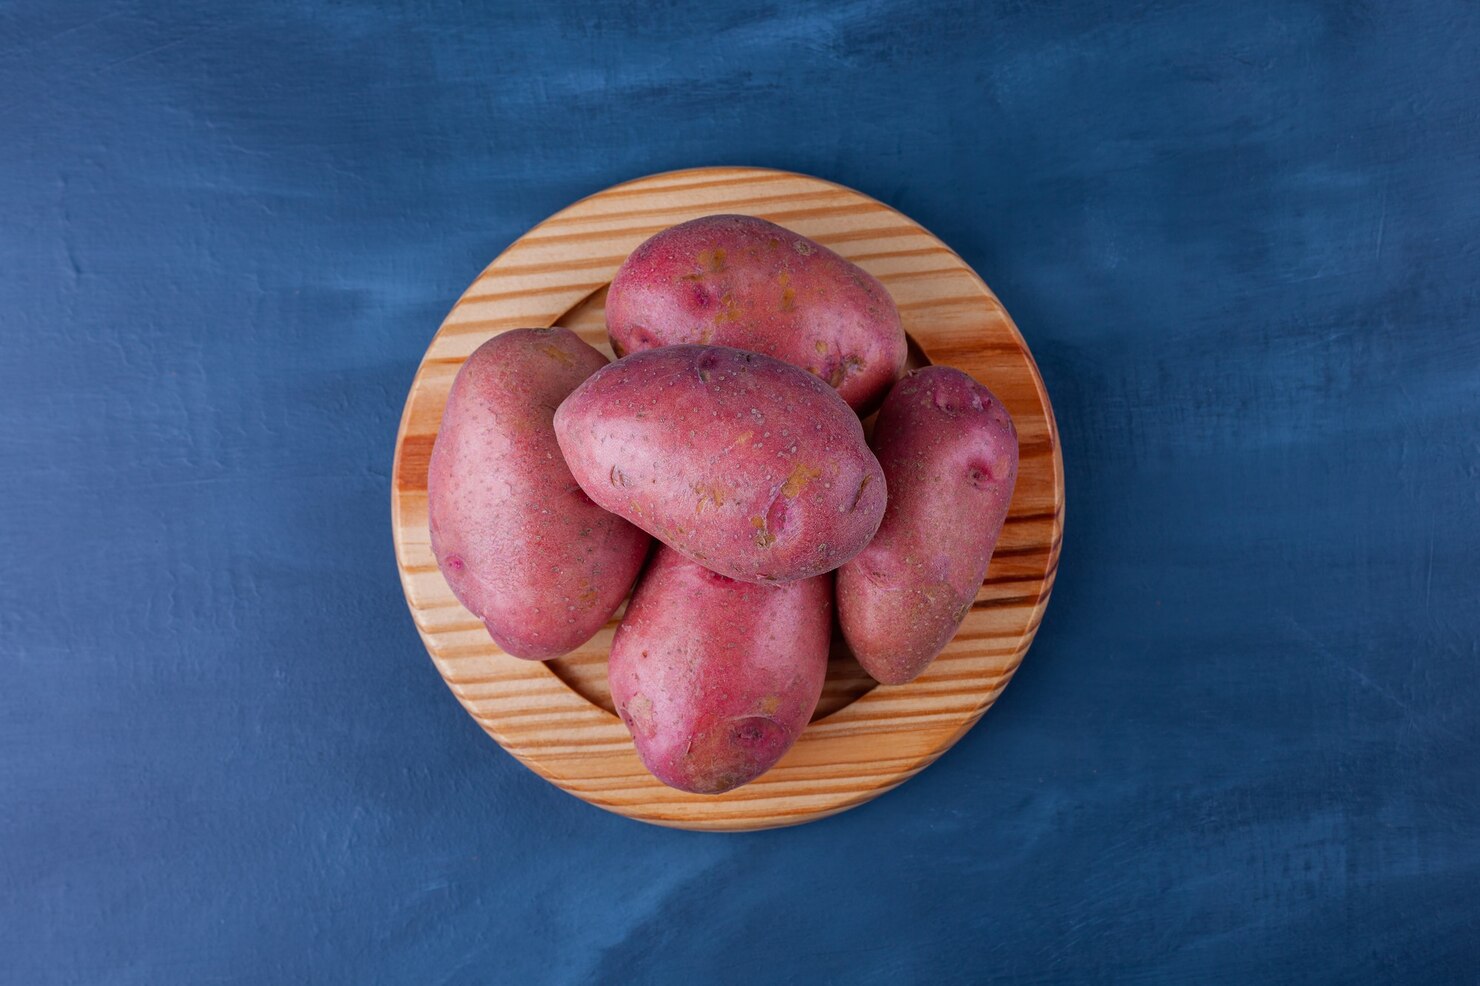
column 769, row 705
column 729, row 310
column 557, row 354
column 803, row 247
column 712, row 260
column 713, row 494
column 639, row 713
column 763, row 537
column 847, row 365
column 801, row 475
column 729, row 754
column 743, row 438
column 821, row 348
column 617, row 477
column 859, row 495
column 788, row 293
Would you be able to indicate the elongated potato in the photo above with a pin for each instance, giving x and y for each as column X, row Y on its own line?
column 519, row 543
column 715, row 678
column 744, row 282
column 949, row 451
column 744, row 464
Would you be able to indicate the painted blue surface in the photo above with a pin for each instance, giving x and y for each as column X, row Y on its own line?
column 1240, row 238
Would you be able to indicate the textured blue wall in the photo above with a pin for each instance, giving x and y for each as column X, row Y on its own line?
column 1242, row 241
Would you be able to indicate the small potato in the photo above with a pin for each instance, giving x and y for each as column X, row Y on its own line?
column 744, row 282
column 714, row 678
column 519, row 543
column 744, row 464
column 949, row 451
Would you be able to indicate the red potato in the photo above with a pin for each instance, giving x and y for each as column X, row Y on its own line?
column 949, row 451
column 714, row 678
column 744, row 464
column 744, row 282
column 519, row 543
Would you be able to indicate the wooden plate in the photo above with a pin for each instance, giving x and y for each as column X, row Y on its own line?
column 557, row 718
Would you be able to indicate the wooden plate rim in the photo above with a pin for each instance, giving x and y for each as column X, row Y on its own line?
column 932, row 737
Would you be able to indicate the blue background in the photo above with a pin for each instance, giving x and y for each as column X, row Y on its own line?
column 1243, row 241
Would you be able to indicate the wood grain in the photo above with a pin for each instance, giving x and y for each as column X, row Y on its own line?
column 557, row 718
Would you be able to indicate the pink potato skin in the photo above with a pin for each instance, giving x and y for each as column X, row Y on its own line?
column 714, row 678
column 519, row 543
column 744, row 282
column 949, row 451
column 749, row 466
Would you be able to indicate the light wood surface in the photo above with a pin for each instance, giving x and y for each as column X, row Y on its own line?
column 557, row 717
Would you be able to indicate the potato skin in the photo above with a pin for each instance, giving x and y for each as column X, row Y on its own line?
column 753, row 468
column 949, row 451
column 521, row 546
column 715, row 679
column 744, row 282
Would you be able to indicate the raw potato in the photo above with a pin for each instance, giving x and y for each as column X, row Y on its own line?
column 519, row 543
column 744, row 464
column 949, row 451
column 714, row 678
column 744, row 282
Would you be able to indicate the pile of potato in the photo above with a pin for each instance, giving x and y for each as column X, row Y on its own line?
column 730, row 431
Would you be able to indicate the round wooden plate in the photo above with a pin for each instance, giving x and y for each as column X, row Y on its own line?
column 557, row 717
